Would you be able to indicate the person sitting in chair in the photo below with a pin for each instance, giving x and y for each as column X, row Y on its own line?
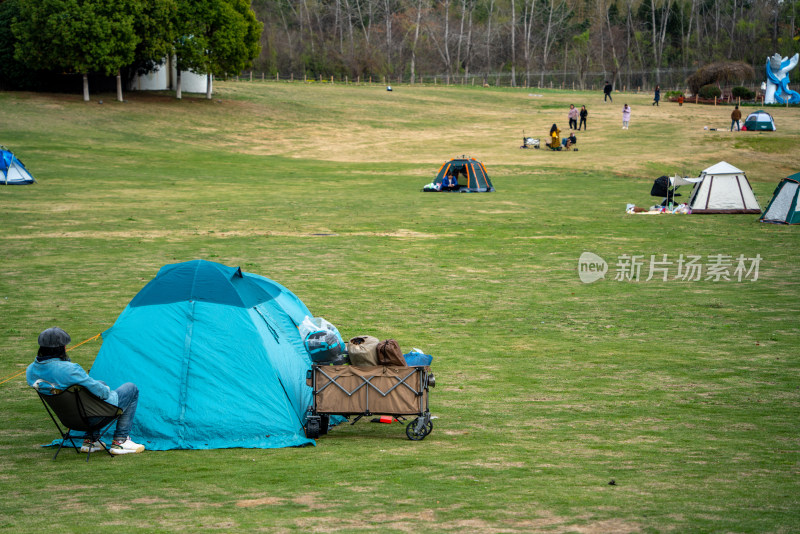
column 555, row 138
column 52, row 369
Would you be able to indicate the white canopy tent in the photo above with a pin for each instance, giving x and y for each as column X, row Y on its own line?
column 722, row 188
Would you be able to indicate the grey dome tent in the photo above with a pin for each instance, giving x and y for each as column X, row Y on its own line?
column 784, row 207
column 12, row 171
column 470, row 174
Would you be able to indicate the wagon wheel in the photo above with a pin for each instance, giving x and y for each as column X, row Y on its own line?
column 312, row 428
column 415, row 435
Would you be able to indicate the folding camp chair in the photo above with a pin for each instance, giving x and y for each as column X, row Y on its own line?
column 79, row 410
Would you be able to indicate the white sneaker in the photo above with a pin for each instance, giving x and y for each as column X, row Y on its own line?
column 126, row 447
column 92, row 446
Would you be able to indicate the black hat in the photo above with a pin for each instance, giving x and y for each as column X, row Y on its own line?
column 54, row 337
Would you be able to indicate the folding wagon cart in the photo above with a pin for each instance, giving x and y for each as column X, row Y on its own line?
column 363, row 391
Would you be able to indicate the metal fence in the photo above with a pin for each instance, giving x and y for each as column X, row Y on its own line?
column 629, row 81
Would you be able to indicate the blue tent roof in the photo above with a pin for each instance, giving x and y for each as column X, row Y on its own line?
column 204, row 281
column 217, row 357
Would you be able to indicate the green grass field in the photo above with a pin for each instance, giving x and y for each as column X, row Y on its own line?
column 684, row 393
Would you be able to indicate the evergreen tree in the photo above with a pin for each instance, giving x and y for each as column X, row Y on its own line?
column 80, row 36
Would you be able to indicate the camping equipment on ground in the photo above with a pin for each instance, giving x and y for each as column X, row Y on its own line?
column 666, row 187
column 364, row 391
column 680, row 209
column 217, row 356
column 760, row 121
column 722, row 188
column 784, row 207
column 529, row 142
column 470, row 174
column 12, row 171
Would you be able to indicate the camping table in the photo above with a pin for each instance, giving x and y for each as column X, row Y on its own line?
column 380, row 390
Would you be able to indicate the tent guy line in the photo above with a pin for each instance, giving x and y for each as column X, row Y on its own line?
column 3, row 381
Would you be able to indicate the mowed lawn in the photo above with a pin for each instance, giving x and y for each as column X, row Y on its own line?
column 624, row 405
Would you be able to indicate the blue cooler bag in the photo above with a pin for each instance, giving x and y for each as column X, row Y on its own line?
column 417, row 359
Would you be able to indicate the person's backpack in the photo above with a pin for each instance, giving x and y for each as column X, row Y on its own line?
column 389, row 353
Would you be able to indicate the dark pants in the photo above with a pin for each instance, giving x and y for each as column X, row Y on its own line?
column 573, row 123
column 583, row 123
column 734, row 121
column 608, row 97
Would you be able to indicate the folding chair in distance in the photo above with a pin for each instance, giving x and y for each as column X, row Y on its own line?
column 79, row 410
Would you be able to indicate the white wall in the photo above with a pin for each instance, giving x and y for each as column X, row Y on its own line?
column 165, row 77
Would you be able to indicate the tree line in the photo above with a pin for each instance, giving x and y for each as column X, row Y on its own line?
column 41, row 38
column 631, row 42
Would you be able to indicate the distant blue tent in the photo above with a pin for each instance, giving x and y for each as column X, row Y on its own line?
column 12, row 171
column 217, row 357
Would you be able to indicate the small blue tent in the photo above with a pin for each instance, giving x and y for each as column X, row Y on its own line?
column 217, row 357
column 12, row 171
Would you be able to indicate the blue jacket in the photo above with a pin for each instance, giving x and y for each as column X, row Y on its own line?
column 60, row 374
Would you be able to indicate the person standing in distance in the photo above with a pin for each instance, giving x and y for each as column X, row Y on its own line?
column 736, row 115
column 607, row 92
column 626, row 116
column 573, row 116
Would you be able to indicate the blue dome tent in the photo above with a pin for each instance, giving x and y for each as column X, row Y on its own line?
column 12, row 171
column 217, row 357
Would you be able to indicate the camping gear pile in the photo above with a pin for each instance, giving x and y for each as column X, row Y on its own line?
column 461, row 175
column 530, row 142
column 220, row 361
column 12, row 171
column 721, row 188
column 377, row 379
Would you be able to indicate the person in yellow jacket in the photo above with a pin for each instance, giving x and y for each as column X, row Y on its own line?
column 555, row 137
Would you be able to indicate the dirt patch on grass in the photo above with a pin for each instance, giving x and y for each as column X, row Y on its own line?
column 618, row 526
column 148, row 501
column 262, row 501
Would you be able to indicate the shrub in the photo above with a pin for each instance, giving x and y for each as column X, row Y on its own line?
column 743, row 92
column 709, row 91
column 671, row 94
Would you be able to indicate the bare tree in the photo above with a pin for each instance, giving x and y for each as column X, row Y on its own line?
column 659, row 32
column 513, row 43
column 557, row 15
column 416, row 41
column 443, row 44
column 489, row 39
column 528, row 34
